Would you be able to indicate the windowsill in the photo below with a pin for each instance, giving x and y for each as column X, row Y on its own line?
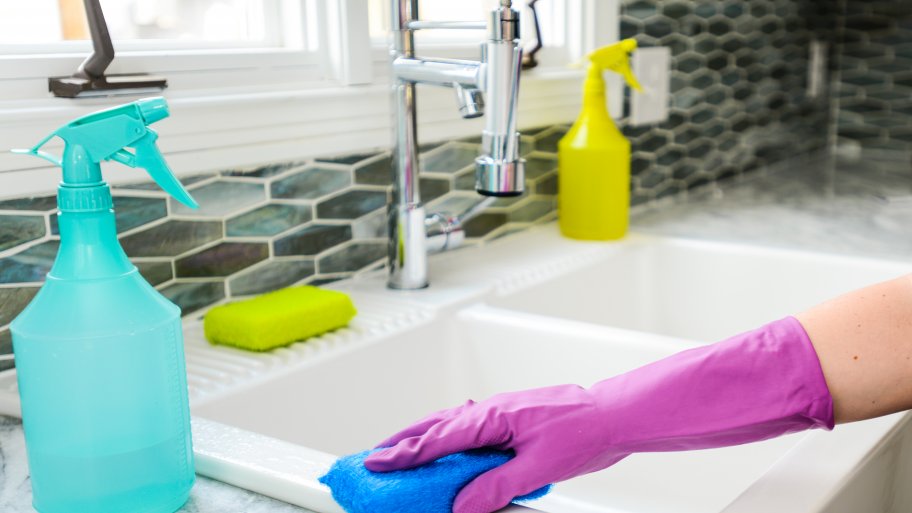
column 244, row 126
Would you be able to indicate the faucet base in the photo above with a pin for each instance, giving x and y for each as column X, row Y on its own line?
column 407, row 248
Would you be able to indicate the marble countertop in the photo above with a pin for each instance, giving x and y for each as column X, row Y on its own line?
column 208, row 496
column 860, row 209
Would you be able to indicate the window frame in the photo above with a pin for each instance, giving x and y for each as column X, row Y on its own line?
column 281, row 104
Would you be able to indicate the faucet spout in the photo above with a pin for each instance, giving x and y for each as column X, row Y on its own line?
column 470, row 100
column 489, row 87
column 500, row 171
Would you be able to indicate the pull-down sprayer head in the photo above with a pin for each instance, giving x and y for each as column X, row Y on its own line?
column 500, row 171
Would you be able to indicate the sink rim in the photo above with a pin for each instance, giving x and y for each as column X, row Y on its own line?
column 471, row 276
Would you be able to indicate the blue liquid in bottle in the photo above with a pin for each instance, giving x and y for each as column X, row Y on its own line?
column 99, row 352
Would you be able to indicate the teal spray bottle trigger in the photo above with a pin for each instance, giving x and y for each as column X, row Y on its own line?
column 99, row 352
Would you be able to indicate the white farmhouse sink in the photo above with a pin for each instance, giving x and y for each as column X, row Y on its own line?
column 532, row 310
column 696, row 289
column 351, row 402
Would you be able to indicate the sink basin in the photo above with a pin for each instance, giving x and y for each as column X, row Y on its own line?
column 534, row 310
column 352, row 401
column 694, row 289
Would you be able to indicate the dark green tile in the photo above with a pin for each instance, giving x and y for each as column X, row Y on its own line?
column 705, row 9
column 450, row 158
column 313, row 240
column 30, row 265
column 373, row 226
column 221, row 260
column 424, row 147
column 684, row 171
column 221, row 198
column 191, row 296
column 706, row 44
column 700, row 150
column 456, row 204
column 690, row 63
column 325, row 280
column 15, row 230
column 274, row 275
column 484, row 224
column 351, row 204
column 152, row 186
column 13, row 301
column 548, row 185
column 376, row 172
column 652, row 142
column 465, row 181
column 433, row 188
column 669, row 157
column 702, row 115
column 38, row 204
column 536, row 130
column 640, row 163
column 734, row 10
column 269, row 220
column 353, row 257
column 549, row 141
column 311, row 183
column 676, row 10
column 652, row 178
column 267, row 171
column 130, row 212
column 526, row 145
column 133, row 212
column 658, row 27
column 720, row 27
column 533, row 210
column 6, row 347
column 347, row 159
column 155, row 273
column 540, row 164
column 171, row 238
column 640, row 9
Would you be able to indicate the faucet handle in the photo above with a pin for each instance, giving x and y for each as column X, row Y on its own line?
column 471, row 101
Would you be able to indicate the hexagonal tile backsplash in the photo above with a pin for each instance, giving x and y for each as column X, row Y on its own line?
column 874, row 76
column 739, row 103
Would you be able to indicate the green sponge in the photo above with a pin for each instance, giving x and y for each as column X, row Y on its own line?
column 278, row 318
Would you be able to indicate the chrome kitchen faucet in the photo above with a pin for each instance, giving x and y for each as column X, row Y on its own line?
column 492, row 85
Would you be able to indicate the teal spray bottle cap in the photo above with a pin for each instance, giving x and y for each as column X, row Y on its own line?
column 108, row 135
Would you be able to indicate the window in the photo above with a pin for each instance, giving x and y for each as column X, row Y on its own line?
column 553, row 17
column 198, row 45
column 253, row 81
column 153, row 24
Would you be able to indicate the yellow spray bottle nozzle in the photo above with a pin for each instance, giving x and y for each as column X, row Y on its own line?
column 616, row 58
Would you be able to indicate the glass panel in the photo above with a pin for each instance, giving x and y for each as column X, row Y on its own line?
column 551, row 15
column 230, row 22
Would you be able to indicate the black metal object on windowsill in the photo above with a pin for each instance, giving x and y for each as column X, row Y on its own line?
column 90, row 78
column 528, row 60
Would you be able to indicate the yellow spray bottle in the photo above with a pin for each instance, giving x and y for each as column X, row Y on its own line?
column 594, row 157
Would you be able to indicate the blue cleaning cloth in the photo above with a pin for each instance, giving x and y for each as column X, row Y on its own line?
column 430, row 488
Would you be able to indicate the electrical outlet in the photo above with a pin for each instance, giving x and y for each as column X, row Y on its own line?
column 652, row 66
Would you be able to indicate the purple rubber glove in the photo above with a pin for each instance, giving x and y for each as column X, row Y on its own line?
column 754, row 386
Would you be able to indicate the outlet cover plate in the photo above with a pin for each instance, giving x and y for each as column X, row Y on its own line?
column 652, row 66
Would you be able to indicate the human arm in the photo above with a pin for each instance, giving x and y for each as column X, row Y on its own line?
column 864, row 342
column 754, row 386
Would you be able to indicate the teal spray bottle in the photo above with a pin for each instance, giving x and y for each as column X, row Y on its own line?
column 99, row 352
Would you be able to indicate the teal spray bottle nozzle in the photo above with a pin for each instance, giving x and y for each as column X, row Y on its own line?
column 107, row 135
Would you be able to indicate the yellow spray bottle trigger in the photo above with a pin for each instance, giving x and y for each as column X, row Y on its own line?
column 616, row 58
